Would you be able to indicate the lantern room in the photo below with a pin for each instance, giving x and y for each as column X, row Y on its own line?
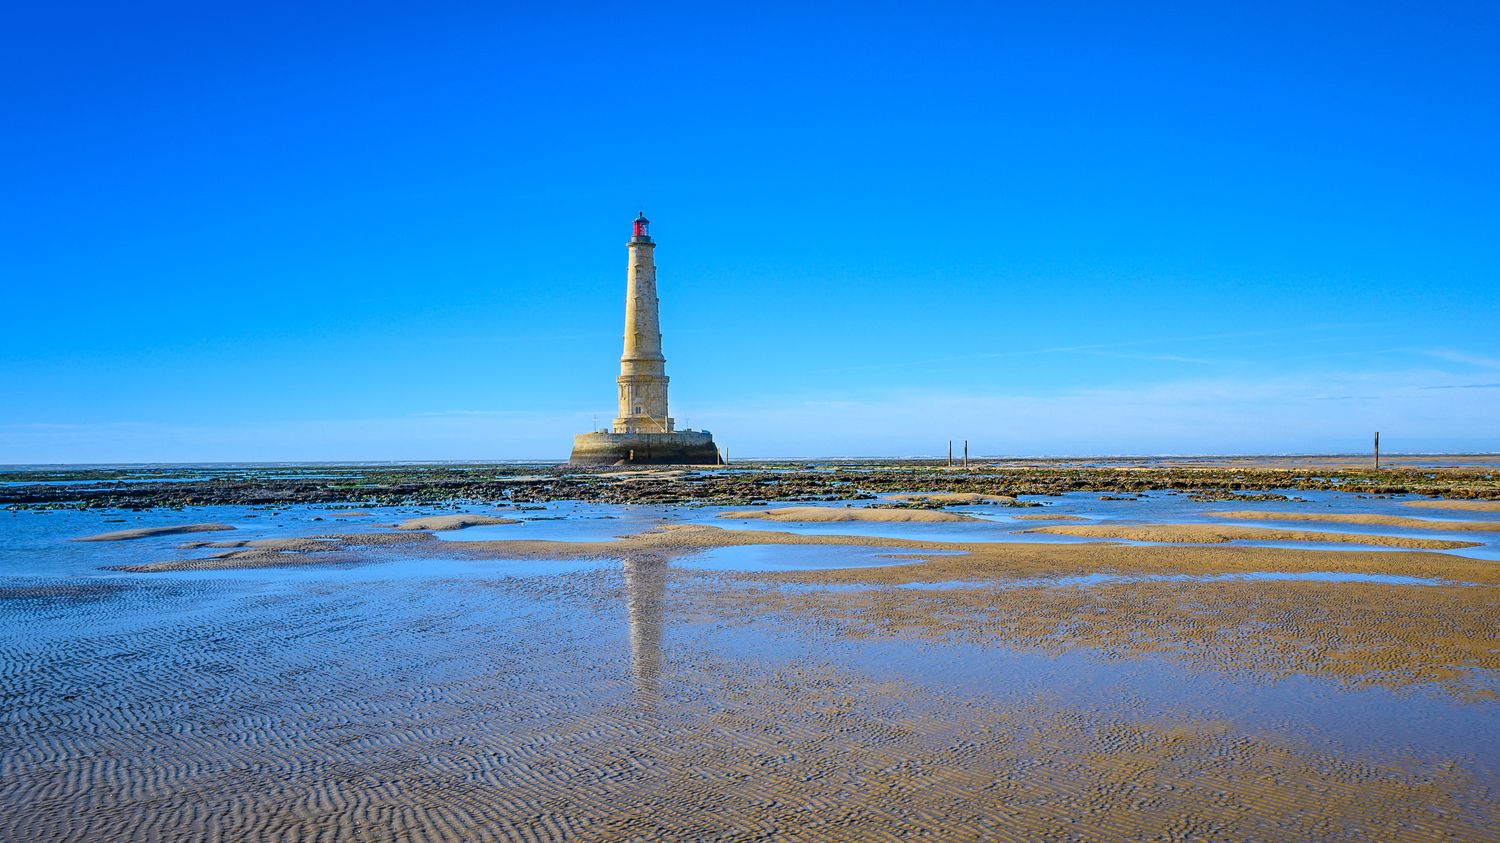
column 640, row 229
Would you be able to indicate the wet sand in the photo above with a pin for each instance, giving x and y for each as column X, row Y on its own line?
column 669, row 542
column 826, row 514
column 285, row 552
column 1472, row 506
column 1008, row 559
column 518, row 729
column 1216, row 534
column 1356, row 633
column 148, row 532
column 396, row 686
column 452, row 522
column 1362, row 518
column 1438, row 629
column 1045, row 517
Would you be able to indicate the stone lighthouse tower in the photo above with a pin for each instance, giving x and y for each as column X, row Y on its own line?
column 643, row 432
column 643, row 369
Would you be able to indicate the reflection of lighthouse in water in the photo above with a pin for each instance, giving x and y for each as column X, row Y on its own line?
column 645, row 595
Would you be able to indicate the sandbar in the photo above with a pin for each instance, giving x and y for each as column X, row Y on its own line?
column 146, row 532
column 1361, row 518
column 1219, row 533
column 820, row 514
column 1045, row 517
column 1472, row 506
column 291, row 552
column 452, row 522
column 311, row 544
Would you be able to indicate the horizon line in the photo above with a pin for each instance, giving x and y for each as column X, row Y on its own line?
column 6, row 467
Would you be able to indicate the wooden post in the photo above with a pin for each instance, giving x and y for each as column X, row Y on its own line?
column 950, row 453
column 966, row 453
column 1377, row 450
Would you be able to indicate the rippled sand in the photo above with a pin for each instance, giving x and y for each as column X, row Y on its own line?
column 478, row 694
column 463, row 711
column 1215, row 534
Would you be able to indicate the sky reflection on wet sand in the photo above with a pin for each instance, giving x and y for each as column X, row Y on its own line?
column 495, row 699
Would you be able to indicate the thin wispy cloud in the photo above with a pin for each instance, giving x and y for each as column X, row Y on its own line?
column 1164, row 358
column 1468, row 359
column 1096, row 349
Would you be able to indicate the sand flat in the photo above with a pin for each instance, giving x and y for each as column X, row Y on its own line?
column 1218, row 533
column 1471, row 506
column 147, row 532
column 300, row 544
column 828, row 514
column 1045, row 517
column 593, row 750
column 1373, row 633
column 1360, row 518
column 452, row 522
column 637, row 695
column 1357, row 633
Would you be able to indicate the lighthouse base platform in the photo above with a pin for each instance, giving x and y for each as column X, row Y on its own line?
column 682, row 447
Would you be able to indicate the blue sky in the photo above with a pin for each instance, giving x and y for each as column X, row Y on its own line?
column 381, row 231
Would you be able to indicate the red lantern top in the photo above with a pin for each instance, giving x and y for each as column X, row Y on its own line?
column 640, row 226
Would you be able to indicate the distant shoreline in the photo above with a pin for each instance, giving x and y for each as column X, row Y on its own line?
column 1480, row 458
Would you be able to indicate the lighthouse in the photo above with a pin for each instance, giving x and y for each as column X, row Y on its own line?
column 643, row 369
column 643, row 432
